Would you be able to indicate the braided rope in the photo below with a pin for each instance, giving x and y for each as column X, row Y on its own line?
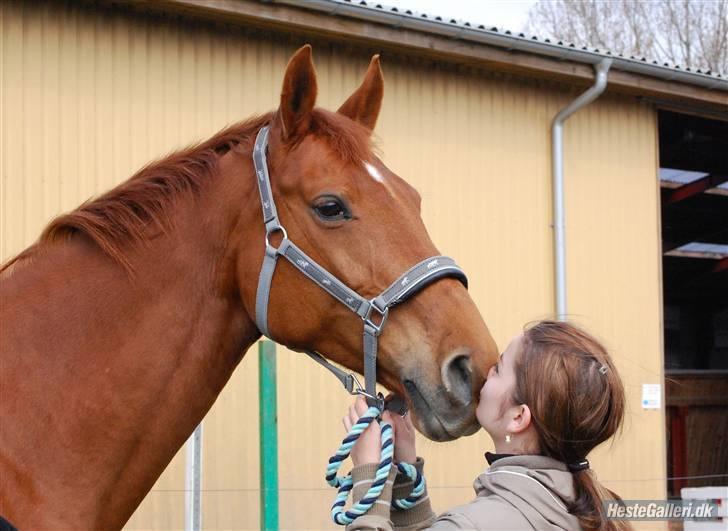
column 345, row 484
column 418, row 488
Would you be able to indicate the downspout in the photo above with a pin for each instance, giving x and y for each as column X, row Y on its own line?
column 193, row 481
column 557, row 153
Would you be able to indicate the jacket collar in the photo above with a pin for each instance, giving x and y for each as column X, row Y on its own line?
column 526, row 461
column 492, row 458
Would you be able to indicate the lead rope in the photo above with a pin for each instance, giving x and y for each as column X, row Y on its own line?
column 345, row 483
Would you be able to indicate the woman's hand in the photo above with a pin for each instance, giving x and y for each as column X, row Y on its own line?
column 368, row 448
column 405, row 450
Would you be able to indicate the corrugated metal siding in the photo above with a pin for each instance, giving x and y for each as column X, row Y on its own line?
column 613, row 265
column 90, row 96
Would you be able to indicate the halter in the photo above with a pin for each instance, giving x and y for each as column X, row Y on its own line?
column 373, row 312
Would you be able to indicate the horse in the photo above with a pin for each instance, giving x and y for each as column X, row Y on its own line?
column 123, row 322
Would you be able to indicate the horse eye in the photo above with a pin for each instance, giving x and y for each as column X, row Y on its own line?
column 331, row 209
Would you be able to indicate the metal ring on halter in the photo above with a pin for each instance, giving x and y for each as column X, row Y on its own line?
column 271, row 230
column 379, row 399
column 383, row 313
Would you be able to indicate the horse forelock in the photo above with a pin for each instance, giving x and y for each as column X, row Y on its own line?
column 349, row 139
column 122, row 216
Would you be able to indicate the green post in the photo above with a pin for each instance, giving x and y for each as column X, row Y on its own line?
column 268, row 435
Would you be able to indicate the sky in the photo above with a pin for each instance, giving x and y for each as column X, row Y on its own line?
column 504, row 14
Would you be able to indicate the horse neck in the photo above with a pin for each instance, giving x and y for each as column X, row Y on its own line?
column 117, row 370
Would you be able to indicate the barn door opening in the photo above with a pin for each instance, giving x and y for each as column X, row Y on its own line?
column 694, row 190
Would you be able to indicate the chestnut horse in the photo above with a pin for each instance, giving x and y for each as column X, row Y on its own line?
column 123, row 323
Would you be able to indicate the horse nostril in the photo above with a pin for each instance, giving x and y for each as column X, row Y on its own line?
column 458, row 378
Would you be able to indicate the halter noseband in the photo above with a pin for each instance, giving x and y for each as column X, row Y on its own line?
column 373, row 312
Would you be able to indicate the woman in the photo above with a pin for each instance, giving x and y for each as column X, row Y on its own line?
column 552, row 397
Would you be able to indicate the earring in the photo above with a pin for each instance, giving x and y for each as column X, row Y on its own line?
column 508, row 437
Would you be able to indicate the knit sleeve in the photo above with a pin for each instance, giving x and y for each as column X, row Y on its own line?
column 376, row 518
column 420, row 516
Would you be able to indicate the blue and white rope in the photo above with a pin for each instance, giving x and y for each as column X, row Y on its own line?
column 345, row 484
column 417, row 490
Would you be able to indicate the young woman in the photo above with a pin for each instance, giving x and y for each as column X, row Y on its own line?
column 553, row 396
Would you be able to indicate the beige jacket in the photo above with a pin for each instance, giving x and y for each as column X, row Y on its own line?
column 518, row 492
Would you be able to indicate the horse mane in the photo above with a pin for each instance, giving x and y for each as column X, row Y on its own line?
column 122, row 216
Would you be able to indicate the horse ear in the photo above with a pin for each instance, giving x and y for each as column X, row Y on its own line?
column 363, row 106
column 298, row 94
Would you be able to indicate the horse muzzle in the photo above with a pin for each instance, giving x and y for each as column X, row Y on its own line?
column 443, row 414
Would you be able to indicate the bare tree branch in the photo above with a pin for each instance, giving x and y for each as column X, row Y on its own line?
column 688, row 33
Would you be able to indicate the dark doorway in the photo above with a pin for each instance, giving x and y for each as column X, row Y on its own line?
column 694, row 190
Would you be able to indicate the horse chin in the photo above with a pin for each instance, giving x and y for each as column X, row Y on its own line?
column 436, row 418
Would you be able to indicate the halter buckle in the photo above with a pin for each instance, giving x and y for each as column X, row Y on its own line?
column 383, row 314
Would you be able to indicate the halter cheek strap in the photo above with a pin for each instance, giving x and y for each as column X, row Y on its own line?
column 373, row 312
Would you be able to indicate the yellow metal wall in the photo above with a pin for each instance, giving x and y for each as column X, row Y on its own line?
column 90, row 96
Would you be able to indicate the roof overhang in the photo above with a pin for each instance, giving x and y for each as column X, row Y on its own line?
column 347, row 22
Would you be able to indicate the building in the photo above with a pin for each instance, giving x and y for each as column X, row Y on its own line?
column 92, row 91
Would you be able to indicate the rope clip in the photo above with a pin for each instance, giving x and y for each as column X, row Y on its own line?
column 354, row 387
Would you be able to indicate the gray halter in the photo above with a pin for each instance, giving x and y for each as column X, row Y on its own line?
column 373, row 312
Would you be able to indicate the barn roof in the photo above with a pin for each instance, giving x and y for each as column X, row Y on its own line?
column 373, row 25
column 468, row 31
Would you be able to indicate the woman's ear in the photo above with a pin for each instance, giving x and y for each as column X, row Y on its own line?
column 520, row 419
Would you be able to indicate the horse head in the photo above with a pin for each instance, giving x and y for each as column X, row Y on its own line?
column 359, row 220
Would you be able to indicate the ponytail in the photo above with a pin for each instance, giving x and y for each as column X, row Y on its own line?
column 588, row 506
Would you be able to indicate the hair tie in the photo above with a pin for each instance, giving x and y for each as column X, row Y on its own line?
column 578, row 466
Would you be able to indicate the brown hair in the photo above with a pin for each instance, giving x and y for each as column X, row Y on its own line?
column 576, row 398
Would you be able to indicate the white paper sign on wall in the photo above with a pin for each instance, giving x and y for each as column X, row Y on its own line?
column 651, row 396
